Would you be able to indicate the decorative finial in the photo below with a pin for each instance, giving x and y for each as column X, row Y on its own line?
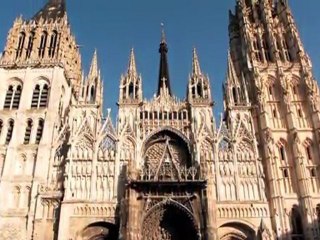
column 163, row 34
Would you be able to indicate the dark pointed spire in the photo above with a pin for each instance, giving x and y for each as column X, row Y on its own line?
column 54, row 9
column 164, row 80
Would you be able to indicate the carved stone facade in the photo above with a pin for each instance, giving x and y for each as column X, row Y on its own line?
column 167, row 170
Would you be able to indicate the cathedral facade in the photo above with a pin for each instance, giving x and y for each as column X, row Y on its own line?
column 168, row 170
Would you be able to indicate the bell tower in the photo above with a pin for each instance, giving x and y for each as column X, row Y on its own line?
column 285, row 98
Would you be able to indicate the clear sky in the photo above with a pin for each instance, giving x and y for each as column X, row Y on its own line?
column 115, row 26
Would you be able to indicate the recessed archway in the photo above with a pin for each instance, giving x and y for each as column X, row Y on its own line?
column 169, row 221
column 99, row 231
column 236, row 231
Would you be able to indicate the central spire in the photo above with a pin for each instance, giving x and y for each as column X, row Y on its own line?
column 164, row 80
column 54, row 9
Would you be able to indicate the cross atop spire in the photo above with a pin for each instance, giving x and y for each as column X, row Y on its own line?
column 54, row 9
column 163, row 34
column 196, row 70
column 164, row 79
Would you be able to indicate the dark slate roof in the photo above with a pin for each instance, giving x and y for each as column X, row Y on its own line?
column 54, row 9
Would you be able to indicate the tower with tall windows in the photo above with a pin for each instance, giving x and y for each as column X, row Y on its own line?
column 168, row 170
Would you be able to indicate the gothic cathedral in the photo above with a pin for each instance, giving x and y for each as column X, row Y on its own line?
column 168, row 170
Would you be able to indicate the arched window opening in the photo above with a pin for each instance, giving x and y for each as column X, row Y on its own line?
column 256, row 49
column 131, row 91
column 266, row 47
column 285, row 173
column 282, row 152
column 270, row 91
column 43, row 43
column 300, row 115
column 9, row 131
column 235, row 96
column 12, row 100
column 35, row 96
column 296, row 222
column 286, row 51
column 39, row 131
column 92, row 95
column 22, row 38
column 193, row 92
column 309, row 153
column 53, row 44
column 199, row 90
column 44, row 96
column 40, row 96
column 30, row 45
column 16, row 97
column 27, row 134
column 8, row 99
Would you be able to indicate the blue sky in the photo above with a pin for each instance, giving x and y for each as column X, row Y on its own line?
column 115, row 26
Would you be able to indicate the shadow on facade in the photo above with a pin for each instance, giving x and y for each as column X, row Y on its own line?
column 298, row 226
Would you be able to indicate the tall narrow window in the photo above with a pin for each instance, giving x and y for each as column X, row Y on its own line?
column 286, row 51
column 9, row 131
column 35, row 97
column 43, row 44
column 39, row 131
column 27, row 134
column 12, row 100
column 40, row 96
column 266, row 48
column 256, row 48
column 30, row 45
column 282, row 152
column 16, row 97
column 199, row 90
column 44, row 96
column 8, row 99
column 22, row 38
column 309, row 152
column 235, row 96
column 131, row 91
column 92, row 94
column 53, row 44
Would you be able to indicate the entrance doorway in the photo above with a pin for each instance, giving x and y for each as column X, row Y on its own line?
column 169, row 222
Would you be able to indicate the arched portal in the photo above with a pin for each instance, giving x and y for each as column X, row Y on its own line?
column 169, row 222
column 99, row 231
column 236, row 231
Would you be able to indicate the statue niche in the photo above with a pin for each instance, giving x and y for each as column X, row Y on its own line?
column 167, row 158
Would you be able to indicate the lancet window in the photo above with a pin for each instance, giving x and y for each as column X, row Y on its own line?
column 256, row 49
column 21, row 41
column 12, row 100
column 9, row 131
column 43, row 44
column 39, row 131
column 27, row 134
column 30, row 45
column 53, row 44
column 40, row 96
